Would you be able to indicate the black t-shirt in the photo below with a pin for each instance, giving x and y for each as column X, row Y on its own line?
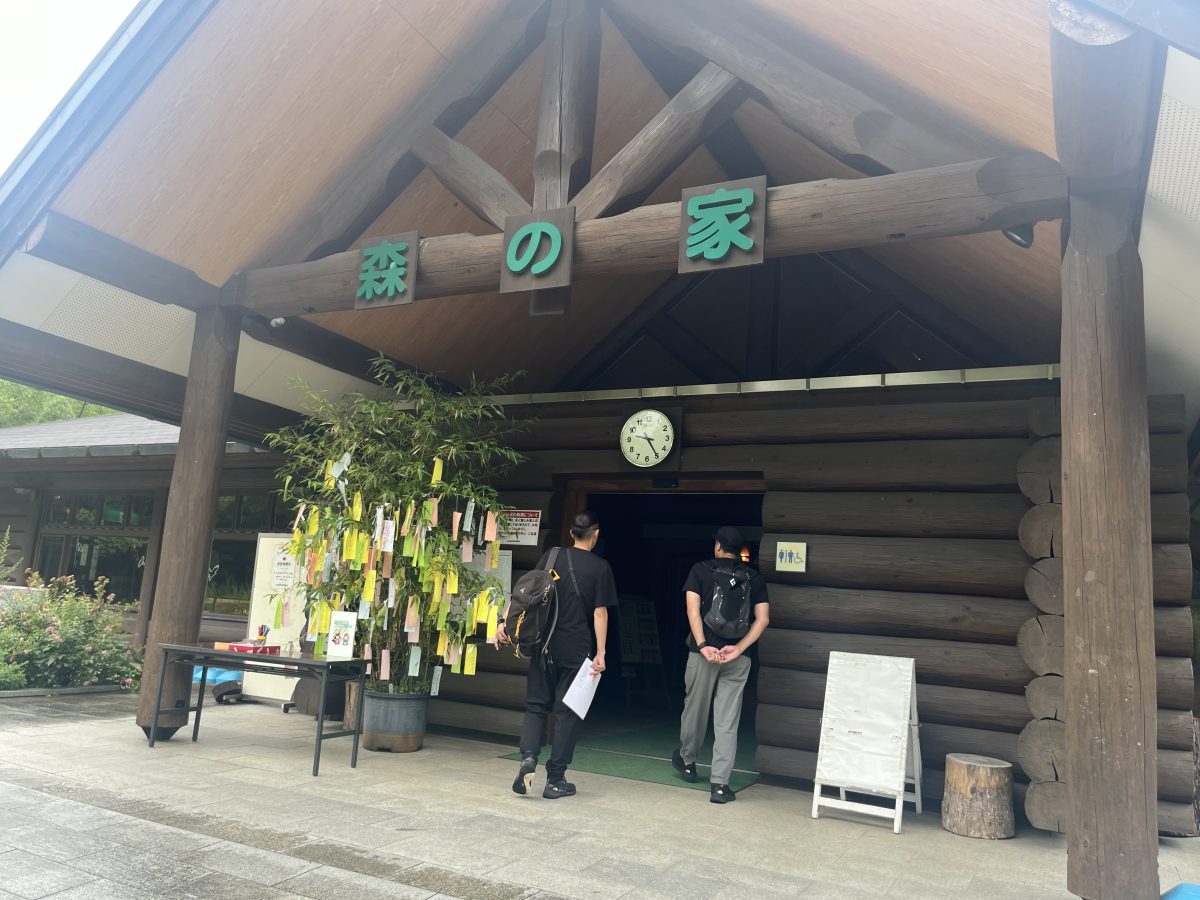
column 571, row 642
column 700, row 581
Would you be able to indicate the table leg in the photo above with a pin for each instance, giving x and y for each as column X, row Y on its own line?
column 360, row 702
column 199, row 703
column 162, row 675
column 324, row 678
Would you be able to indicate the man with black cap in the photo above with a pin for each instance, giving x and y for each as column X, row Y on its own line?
column 728, row 611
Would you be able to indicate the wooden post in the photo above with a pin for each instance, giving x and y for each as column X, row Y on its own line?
column 1103, row 81
column 158, row 516
column 191, row 509
column 562, row 162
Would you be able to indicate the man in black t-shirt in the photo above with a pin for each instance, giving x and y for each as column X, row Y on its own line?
column 717, row 665
column 586, row 588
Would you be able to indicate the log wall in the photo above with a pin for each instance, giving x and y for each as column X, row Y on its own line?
column 18, row 514
column 921, row 542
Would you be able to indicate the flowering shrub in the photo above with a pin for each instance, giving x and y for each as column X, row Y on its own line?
column 12, row 678
column 60, row 636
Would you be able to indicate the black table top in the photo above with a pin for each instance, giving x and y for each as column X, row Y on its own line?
column 235, row 659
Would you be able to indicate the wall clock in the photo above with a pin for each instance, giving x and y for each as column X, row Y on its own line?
column 647, row 438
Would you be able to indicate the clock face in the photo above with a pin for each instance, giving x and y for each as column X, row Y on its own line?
column 647, row 438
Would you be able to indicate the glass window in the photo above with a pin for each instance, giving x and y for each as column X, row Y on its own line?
column 115, row 509
column 87, row 510
column 121, row 560
column 141, row 508
column 285, row 515
column 256, row 512
column 60, row 510
column 50, row 563
column 230, row 572
column 226, row 513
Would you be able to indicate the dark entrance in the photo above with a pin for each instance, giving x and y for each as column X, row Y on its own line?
column 652, row 540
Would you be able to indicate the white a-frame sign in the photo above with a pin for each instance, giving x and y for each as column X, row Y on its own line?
column 870, row 742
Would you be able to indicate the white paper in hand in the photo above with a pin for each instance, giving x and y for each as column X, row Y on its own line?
column 580, row 694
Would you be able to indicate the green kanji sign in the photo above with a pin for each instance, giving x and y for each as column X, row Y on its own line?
column 388, row 272
column 722, row 225
column 537, row 250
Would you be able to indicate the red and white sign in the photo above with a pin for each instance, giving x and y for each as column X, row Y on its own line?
column 523, row 527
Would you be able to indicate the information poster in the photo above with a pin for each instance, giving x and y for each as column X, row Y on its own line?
column 523, row 527
column 276, row 579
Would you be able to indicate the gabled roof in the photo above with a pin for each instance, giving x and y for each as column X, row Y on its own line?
column 119, row 434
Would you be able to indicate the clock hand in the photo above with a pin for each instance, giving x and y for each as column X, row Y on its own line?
column 646, row 438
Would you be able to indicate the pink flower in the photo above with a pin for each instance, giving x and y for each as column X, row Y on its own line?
column 87, row 649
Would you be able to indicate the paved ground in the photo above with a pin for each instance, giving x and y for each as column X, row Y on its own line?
column 87, row 811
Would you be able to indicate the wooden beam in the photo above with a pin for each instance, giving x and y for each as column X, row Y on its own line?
column 852, row 127
column 73, row 245
column 964, row 198
column 52, row 363
column 388, row 165
column 562, row 162
column 1175, row 21
column 665, row 142
column 481, row 188
column 191, row 511
column 1103, row 77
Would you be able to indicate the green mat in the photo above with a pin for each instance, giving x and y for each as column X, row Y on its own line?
column 645, row 755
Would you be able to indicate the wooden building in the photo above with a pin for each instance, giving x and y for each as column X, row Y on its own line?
column 953, row 352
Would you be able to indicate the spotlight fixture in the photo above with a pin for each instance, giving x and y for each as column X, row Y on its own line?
column 278, row 322
column 1021, row 235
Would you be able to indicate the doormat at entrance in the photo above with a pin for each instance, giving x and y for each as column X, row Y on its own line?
column 641, row 768
column 661, row 740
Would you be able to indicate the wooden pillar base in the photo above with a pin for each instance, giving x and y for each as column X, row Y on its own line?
column 978, row 798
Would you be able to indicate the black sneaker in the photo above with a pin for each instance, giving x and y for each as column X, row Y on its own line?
column 721, row 793
column 524, row 780
column 556, row 789
column 687, row 771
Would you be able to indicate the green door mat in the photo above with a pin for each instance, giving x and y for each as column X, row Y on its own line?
column 645, row 755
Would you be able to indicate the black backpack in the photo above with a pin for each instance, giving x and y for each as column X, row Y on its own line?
column 727, row 613
column 533, row 610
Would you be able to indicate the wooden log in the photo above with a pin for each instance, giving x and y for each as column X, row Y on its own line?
column 939, row 704
column 939, row 565
column 1044, row 697
column 1039, row 472
column 1165, row 415
column 955, row 663
column 191, row 510
column 495, row 689
column 984, row 195
column 977, row 801
column 1040, row 640
column 667, row 140
column 1042, row 752
column 858, row 130
column 898, row 614
column 473, row 717
column 894, row 513
column 502, row 660
column 476, row 184
column 1041, row 527
column 1046, row 808
column 981, row 465
column 539, row 500
column 1172, row 579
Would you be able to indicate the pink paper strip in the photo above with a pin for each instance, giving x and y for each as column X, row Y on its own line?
column 385, row 665
column 489, row 529
column 455, row 520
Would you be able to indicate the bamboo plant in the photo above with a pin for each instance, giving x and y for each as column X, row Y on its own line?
column 393, row 497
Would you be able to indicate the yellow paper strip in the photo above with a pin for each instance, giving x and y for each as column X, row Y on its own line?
column 368, row 591
column 441, row 647
column 356, row 508
column 326, row 616
column 330, row 481
column 452, row 582
column 314, row 522
column 493, row 554
column 493, row 621
column 437, row 471
column 470, row 654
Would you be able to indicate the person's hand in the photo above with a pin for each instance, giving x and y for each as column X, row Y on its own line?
column 712, row 654
column 729, row 654
column 598, row 664
column 501, row 636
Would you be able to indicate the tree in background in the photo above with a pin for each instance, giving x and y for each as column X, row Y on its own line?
column 23, row 405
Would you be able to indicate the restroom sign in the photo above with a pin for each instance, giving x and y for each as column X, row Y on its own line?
column 791, row 557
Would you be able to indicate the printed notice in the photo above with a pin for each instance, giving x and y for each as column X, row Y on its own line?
column 523, row 526
column 791, row 557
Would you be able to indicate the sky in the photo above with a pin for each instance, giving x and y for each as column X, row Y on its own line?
column 44, row 46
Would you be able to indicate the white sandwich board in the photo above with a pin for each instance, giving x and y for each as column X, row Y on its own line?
column 870, row 742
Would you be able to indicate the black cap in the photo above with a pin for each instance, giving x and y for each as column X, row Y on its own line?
column 729, row 538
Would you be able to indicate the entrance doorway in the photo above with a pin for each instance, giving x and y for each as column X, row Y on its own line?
column 652, row 539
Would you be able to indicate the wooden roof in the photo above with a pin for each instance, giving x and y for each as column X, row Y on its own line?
column 267, row 106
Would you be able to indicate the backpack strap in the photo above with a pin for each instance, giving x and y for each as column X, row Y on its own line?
column 550, row 561
column 554, row 620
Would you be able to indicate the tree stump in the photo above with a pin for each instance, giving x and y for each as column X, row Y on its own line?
column 978, row 797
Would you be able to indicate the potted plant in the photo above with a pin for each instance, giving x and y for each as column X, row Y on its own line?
column 396, row 523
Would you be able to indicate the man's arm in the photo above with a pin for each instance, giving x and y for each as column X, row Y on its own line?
column 762, row 618
column 600, row 616
column 697, row 625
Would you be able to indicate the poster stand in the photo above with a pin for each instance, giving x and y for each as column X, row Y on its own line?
column 870, row 736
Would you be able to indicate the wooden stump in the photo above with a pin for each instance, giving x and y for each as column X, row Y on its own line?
column 978, row 798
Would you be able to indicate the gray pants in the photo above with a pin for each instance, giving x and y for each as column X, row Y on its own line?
column 700, row 680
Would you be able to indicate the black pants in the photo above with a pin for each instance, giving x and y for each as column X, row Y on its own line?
column 544, row 691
